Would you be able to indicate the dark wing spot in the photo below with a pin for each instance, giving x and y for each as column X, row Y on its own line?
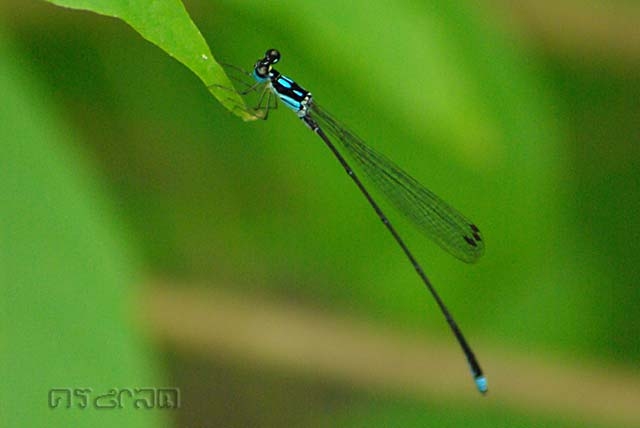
column 475, row 232
column 470, row 241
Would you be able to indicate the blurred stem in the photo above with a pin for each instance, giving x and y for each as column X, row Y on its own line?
column 601, row 29
column 227, row 326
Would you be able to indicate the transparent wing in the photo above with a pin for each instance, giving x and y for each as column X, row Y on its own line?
column 430, row 214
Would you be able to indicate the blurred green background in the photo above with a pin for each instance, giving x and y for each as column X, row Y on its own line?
column 136, row 211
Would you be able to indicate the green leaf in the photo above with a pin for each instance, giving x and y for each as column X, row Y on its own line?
column 67, row 275
column 167, row 24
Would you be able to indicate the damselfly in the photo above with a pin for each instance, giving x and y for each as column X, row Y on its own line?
column 430, row 214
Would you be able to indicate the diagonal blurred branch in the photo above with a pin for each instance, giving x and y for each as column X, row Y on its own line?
column 261, row 331
column 596, row 28
column 601, row 29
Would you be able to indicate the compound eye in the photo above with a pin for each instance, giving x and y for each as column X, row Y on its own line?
column 272, row 55
column 262, row 69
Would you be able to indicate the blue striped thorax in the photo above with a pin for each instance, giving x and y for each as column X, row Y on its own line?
column 290, row 93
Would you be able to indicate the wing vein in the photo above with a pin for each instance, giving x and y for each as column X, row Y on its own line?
column 429, row 214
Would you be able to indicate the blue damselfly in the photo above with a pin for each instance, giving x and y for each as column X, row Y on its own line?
column 430, row 214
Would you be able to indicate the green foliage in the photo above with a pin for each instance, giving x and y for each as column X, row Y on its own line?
column 167, row 24
column 436, row 86
column 68, row 276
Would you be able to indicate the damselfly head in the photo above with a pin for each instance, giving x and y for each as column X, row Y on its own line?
column 272, row 56
column 263, row 66
column 262, row 69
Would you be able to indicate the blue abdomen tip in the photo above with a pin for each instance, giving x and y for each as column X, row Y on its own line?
column 481, row 383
